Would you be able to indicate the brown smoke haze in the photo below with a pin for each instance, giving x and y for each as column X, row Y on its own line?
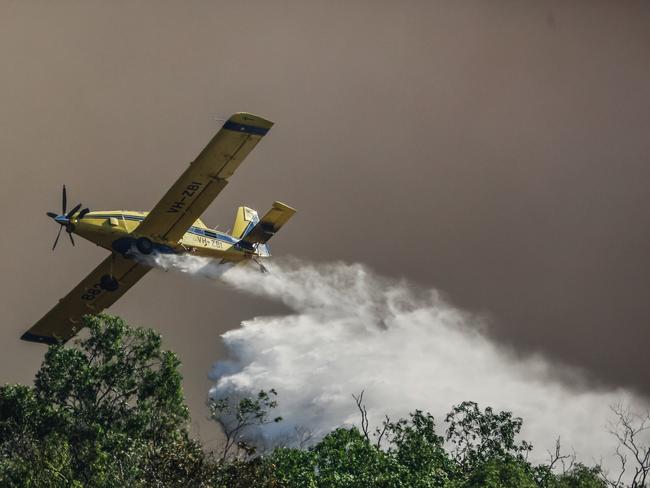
column 498, row 151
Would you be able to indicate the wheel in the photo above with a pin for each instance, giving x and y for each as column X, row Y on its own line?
column 144, row 245
column 108, row 283
column 123, row 245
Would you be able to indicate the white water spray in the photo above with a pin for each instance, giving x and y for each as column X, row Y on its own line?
column 351, row 330
column 184, row 263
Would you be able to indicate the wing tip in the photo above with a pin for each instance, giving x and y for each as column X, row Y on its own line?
column 29, row 337
column 251, row 119
column 249, row 123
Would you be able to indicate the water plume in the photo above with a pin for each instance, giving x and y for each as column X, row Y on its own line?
column 351, row 330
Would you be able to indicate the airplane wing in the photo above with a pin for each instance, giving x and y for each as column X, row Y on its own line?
column 207, row 175
column 95, row 293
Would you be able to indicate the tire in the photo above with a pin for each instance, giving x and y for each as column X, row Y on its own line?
column 123, row 245
column 144, row 245
column 108, row 283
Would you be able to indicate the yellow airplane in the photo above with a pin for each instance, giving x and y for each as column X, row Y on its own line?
column 172, row 226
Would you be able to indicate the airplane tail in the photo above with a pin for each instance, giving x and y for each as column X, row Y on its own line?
column 253, row 231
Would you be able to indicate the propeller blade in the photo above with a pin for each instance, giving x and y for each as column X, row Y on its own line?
column 65, row 200
column 71, row 212
column 71, row 239
column 51, row 214
column 57, row 238
column 83, row 213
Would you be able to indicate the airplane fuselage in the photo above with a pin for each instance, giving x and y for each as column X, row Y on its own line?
column 117, row 230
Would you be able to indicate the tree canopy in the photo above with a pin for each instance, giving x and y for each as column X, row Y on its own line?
column 109, row 411
column 106, row 412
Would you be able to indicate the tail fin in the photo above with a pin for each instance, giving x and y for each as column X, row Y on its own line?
column 272, row 221
column 244, row 221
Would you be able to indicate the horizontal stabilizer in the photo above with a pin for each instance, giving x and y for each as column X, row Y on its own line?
column 270, row 224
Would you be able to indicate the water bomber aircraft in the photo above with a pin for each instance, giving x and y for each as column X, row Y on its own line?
column 173, row 226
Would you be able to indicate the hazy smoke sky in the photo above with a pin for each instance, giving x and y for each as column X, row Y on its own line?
column 495, row 151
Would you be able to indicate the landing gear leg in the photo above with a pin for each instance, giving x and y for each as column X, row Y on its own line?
column 263, row 268
column 108, row 282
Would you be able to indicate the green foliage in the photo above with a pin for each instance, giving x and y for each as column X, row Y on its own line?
column 478, row 436
column 579, row 476
column 417, row 448
column 294, row 467
column 117, row 378
column 498, row 472
column 344, row 458
column 109, row 412
column 97, row 414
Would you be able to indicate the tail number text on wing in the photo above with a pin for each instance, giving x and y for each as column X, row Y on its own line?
column 92, row 293
column 189, row 191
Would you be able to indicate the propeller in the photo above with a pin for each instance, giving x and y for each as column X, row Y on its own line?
column 57, row 237
column 63, row 219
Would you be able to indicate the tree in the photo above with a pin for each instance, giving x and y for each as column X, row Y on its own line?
column 578, row 476
column 572, row 474
column 414, row 445
column 633, row 433
column 236, row 416
column 503, row 471
column 478, row 436
column 32, row 453
column 345, row 458
column 100, row 413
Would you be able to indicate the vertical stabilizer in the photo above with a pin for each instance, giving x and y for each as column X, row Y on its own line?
column 244, row 221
